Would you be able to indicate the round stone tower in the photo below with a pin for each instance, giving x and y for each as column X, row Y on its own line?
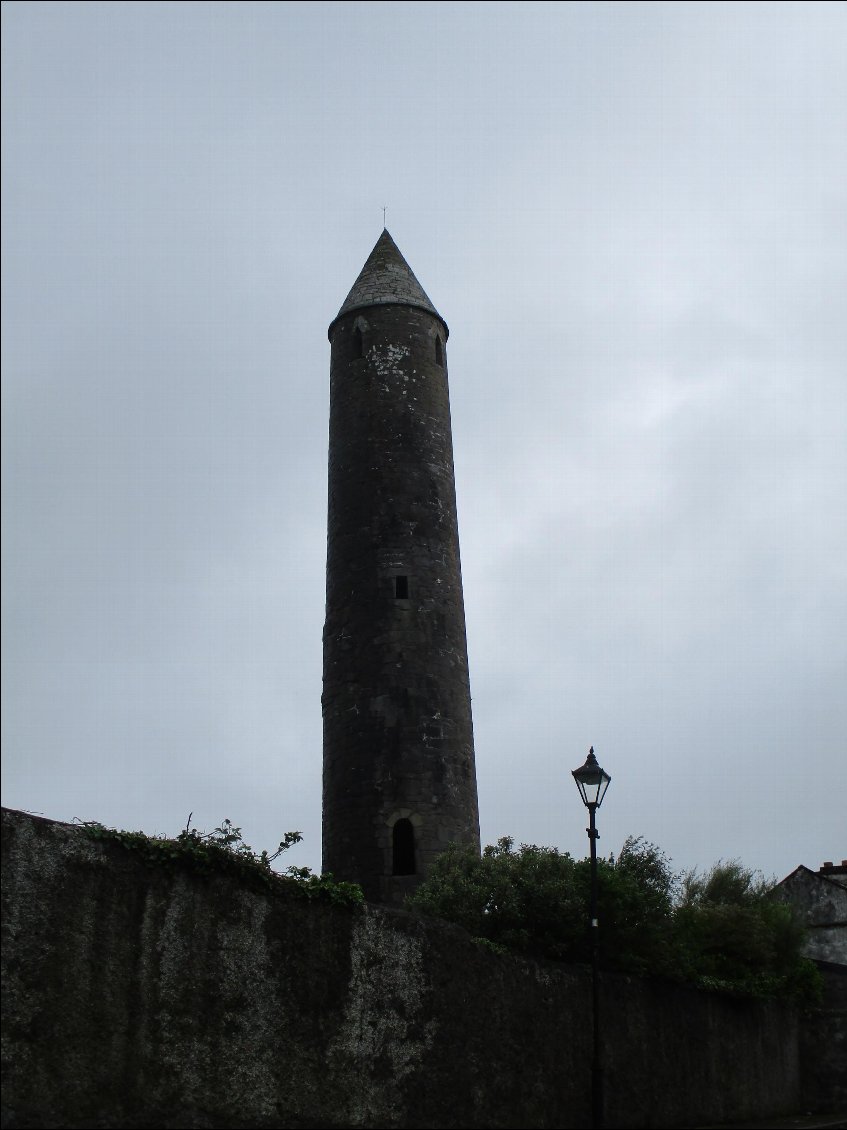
column 399, row 781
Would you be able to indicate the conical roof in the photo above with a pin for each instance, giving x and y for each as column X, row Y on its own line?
column 386, row 279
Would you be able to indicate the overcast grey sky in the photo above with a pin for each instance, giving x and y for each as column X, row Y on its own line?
column 633, row 218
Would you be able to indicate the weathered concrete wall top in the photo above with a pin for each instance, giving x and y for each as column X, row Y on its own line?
column 136, row 996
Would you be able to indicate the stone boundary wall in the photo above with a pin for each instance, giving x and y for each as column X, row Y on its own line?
column 136, row 996
column 823, row 1045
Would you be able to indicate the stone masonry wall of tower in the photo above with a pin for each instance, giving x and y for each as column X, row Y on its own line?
column 399, row 774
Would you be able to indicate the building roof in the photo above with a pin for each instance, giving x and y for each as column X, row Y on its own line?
column 386, row 279
column 828, row 875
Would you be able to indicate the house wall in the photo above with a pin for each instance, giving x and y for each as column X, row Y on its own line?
column 820, row 898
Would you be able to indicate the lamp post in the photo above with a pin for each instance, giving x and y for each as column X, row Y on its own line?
column 592, row 782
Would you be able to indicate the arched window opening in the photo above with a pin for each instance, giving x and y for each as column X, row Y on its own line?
column 358, row 344
column 403, row 842
column 439, row 352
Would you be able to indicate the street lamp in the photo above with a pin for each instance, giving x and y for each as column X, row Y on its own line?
column 592, row 782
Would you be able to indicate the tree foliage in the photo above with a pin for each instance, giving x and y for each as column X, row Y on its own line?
column 718, row 930
column 733, row 936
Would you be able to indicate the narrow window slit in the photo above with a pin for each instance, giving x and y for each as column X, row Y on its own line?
column 358, row 344
column 403, row 847
column 401, row 588
column 439, row 352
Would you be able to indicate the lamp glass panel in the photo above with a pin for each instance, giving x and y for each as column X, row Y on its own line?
column 592, row 783
column 601, row 792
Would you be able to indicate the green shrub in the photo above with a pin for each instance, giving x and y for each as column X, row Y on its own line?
column 224, row 851
column 734, row 937
column 718, row 930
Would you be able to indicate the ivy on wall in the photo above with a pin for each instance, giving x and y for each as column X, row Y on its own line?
column 223, row 851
